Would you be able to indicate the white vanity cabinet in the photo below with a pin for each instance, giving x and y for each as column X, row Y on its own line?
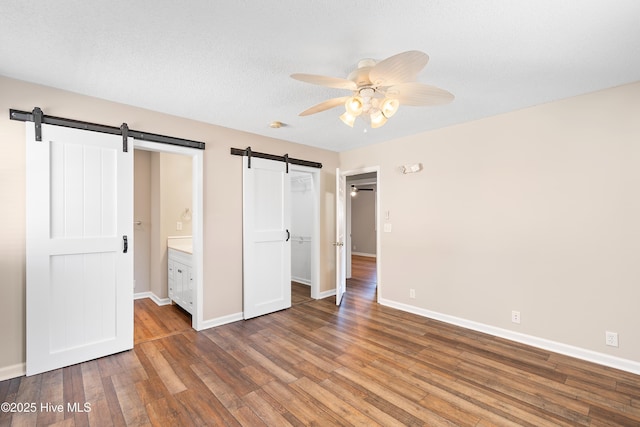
column 180, row 275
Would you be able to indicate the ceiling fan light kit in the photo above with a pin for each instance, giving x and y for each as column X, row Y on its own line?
column 354, row 105
column 389, row 107
column 377, row 119
column 379, row 88
column 355, row 190
column 348, row 118
column 366, row 102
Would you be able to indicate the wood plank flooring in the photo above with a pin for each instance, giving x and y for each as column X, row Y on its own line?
column 153, row 321
column 300, row 293
column 318, row 364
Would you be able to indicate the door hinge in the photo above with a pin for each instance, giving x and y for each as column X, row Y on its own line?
column 125, row 244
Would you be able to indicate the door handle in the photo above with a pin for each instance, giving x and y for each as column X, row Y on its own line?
column 125, row 244
column 288, row 236
column 338, row 243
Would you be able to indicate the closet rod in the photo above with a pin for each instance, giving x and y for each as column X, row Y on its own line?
column 27, row 116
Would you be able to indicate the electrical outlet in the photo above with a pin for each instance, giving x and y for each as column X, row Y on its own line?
column 611, row 338
column 412, row 293
column 515, row 316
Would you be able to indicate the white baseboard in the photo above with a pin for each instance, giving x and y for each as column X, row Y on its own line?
column 301, row 280
column 557, row 347
column 14, row 371
column 160, row 301
column 327, row 294
column 154, row 298
column 363, row 254
column 219, row 321
column 206, row 324
column 141, row 295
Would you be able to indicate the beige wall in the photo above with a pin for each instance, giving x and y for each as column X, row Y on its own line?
column 536, row 210
column 142, row 213
column 222, row 198
column 363, row 221
column 175, row 175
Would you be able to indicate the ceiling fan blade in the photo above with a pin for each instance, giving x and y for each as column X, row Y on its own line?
column 333, row 82
column 419, row 94
column 400, row 68
column 326, row 105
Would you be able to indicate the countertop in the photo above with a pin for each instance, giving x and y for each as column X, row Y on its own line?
column 182, row 244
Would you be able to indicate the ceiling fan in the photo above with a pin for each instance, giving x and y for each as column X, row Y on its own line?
column 379, row 88
column 355, row 190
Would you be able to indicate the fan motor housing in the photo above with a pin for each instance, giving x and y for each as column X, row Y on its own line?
column 361, row 75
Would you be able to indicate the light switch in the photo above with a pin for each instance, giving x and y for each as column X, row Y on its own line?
column 387, row 227
column 179, row 226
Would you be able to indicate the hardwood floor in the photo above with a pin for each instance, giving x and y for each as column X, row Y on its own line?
column 318, row 364
column 300, row 293
column 153, row 322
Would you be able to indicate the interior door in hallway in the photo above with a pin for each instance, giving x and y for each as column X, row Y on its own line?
column 79, row 247
column 341, row 226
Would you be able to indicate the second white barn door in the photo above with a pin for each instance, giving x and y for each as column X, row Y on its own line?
column 266, row 237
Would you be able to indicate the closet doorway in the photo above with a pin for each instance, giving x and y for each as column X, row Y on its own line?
column 304, row 234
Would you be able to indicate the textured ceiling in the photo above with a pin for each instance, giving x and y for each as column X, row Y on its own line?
column 228, row 63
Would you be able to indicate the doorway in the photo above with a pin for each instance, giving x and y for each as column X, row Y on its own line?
column 192, row 218
column 361, row 255
column 305, row 192
column 162, row 220
column 361, row 218
column 302, row 208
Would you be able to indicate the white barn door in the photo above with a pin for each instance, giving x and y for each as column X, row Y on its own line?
column 266, row 237
column 79, row 247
